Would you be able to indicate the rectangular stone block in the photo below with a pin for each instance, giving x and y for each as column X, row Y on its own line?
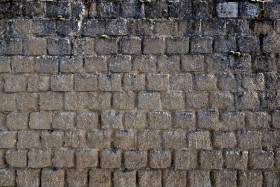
column 173, row 101
column 177, row 45
column 28, row 139
column 116, row 27
column 76, row 177
column 52, row 139
column 110, row 82
column 135, row 120
column 119, row 64
column 8, row 139
column 166, row 28
column 58, row 46
column 30, row 177
column 160, row 159
column 236, row 159
column 27, row 102
column 35, row 46
column 159, row 120
column 110, row 159
column 85, row 82
column 260, row 159
column 40, row 120
column 199, row 140
column 182, row 81
column 99, row 178
column 201, row 45
column 124, row 100
column 149, row 101
column 212, row 159
column 249, row 139
column 17, row 121
column 86, row 158
column 227, row 10
column 131, row 46
column 149, row 139
column 71, row 64
column 150, row 178
column 206, row 81
column 5, row 64
column 168, row 63
column 87, row 120
column 16, row 158
column 250, row 178
column 158, row 82
column 153, row 46
column 39, row 158
column 52, row 177
column 184, row 120
column 224, row 140
column 22, row 64
column 176, row 178
column 47, row 64
column 63, row 158
column 63, row 120
column 199, row 178
column 135, row 159
column 62, row 83
column 175, row 139
column 15, row 83
column 134, row 82
column 92, row 27
column 124, row 139
column 123, row 179
column 99, row 139
column 106, row 46
column 208, row 119
column 99, row 101
column 95, row 64
column 51, row 101
column 75, row 101
column 144, row 63
column 7, row 177
column 185, row 159
column 111, row 120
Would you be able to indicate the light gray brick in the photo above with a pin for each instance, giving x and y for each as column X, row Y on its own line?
column 227, row 10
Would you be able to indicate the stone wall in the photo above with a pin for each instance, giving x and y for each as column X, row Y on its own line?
column 143, row 93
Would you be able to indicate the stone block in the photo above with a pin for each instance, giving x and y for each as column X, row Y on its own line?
column 86, row 158
column 17, row 121
column 123, row 179
column 135, row 159
column 39, row 158
column 63, row 158
column 40, row 120
column 160, row 159
column 110, row 159
column 28, row 139
column 227, row 10
column 52, row 177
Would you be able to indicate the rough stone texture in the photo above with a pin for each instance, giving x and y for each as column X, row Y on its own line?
column 170, row 93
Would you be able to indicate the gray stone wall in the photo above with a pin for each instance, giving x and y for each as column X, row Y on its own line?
column 144, row 93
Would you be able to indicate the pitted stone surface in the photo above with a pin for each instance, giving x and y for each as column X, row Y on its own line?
column 139, row 93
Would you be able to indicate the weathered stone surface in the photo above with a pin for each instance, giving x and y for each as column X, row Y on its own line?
column 139, row 93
